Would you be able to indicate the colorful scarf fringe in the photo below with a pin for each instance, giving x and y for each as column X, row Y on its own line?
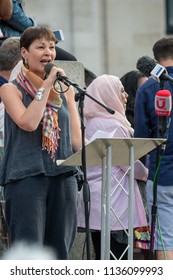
column 50, row 132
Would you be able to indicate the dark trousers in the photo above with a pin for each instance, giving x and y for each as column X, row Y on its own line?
column 43, row 210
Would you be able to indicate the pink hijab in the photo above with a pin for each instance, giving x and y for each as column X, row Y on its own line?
column 106, row 89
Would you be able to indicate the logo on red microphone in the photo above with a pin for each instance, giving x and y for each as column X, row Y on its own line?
column 163, row 103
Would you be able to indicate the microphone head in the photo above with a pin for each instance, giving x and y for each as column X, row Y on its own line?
column 163, row 103
column 145, row 65
column 48, row 67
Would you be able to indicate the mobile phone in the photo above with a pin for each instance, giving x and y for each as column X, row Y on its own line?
column 59, row 35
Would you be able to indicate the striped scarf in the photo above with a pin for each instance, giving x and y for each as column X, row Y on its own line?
column 50, row 131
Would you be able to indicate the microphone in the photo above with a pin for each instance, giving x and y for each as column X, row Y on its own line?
column 48, row 68
column 163, row 106
column 147, row 66
column 61, row 78
column 81, row 91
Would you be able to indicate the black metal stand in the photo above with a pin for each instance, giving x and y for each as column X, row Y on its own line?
column 79, row 96
column 86, row 192
column 154, row 207
column 159, row 151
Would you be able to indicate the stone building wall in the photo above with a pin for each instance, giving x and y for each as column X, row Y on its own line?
column 107, row 36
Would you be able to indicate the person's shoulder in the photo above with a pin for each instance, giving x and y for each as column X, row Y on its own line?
column 148, row 83
column 6, row 87
column 9, row 90
column 149, row 87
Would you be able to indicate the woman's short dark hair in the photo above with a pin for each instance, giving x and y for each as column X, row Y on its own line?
column 36, row 32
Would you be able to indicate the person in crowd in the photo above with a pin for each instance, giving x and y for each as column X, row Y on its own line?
column 146, row 125
column 131, row 82
column 109, row 90
column 14, row 25
column 9, row 56
column 19, row 21
column 6, row 8
column 43, row 125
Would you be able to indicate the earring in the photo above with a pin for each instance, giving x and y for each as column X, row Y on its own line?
column 26, row 64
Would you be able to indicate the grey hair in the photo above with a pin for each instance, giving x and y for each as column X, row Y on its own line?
column 9, row 53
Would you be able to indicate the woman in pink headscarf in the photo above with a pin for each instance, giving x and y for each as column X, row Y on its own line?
column 109, row 90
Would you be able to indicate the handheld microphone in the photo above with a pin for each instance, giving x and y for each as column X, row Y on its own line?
column 147, row 66
column 48, row 68
column 163, row 106
column 68, row 82
column 61, row 78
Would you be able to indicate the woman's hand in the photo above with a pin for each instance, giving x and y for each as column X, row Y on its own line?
column 54, row 71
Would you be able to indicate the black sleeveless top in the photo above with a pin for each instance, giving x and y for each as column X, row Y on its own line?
column 23, row 154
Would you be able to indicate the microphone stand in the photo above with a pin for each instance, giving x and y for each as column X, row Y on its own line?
column 154, row 207
column 160, row 134
column 80, row 96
